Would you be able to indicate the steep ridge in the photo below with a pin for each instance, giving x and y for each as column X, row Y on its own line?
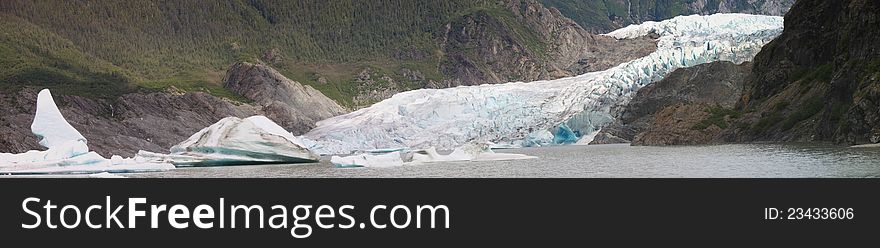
column 297, row 107
column 686, row 107
column 820, row 80
column 103, row 49
column 817, row 82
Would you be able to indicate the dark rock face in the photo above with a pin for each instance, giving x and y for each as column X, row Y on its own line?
column 667, row 111
column 294, row 106
column 762, row 7
column 137, row 121
column 155, row 121
column 818, row 81
column 480, row 48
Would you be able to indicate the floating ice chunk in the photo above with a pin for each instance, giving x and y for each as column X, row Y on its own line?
column 390, row 159
column 502, row 146
column 105, row 175
column 67, row 150
column 89, row 164
column 468, row 152
column 431, row 155
column 55, row 155
column 271, row 127
column 235, row 141
column 876, row 145
column 52, row 129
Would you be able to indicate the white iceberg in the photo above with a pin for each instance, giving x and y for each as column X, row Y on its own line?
column 67, row 151
column 528, row 114
column 390, row 159
column 105, row 175
column 467, row 152
column 399, row 156
column 51, row 127
column 235, row 141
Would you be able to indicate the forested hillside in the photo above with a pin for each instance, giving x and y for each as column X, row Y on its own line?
column 189, row 43
column 355, row 52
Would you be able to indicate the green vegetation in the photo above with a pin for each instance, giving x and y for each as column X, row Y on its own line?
column 804, row 111
column 822, row 73
column 30, row 55
column 528, row 37
column 872, row 67
column 781, row 106
column 589, row 14
column 767, row 122
column 808, row 109
column 717, row 117
column 105, row 48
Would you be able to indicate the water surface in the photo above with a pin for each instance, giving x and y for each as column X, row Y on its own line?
column 737, row 160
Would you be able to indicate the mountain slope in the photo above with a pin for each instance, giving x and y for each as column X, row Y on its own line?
column 820, row 80
column 689, row 106
column 607, row 15
column 399, row 45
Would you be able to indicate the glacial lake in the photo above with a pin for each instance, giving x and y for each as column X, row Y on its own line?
column 603, row 161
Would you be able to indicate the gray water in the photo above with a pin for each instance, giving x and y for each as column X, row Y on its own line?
column 739, row 160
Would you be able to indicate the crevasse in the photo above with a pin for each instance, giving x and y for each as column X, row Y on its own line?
column 543, row 112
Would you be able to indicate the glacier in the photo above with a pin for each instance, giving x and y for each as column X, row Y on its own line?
column 66, row 151
column 236, row 141
column 561, row 111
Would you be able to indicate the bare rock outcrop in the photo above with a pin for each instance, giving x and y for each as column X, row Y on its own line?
column 294, row 106
column 690, row 106
column 482, row 47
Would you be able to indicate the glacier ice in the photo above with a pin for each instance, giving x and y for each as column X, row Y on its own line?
column 67, row 151
column 105, row 175
column 390, row 159
column 467, row 152
column 50, row 126
column 236, row 141
column 399, row 157
column 543, row 112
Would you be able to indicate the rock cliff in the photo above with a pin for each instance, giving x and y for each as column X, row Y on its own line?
column 690, row 106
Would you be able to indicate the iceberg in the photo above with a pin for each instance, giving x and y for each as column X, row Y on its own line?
column 467, row 152
column 561, row 111
column 236, row 141
column 66, row 151
column 390, row 159
column 400, row 157
column 105, row 175
column 51, row 127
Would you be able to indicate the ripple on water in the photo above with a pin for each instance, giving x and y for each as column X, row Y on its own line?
column 737, row 160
